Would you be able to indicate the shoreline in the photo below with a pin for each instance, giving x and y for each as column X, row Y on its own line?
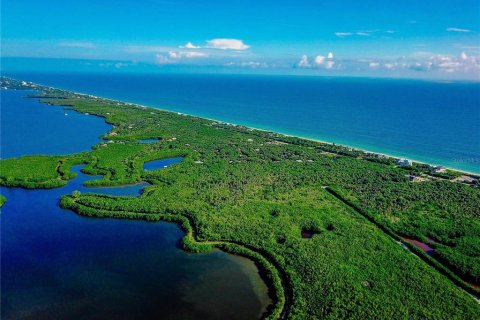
column 386, row 155
column 202, row 121
column 269, row 271
column 365, row 151
column 273, row 275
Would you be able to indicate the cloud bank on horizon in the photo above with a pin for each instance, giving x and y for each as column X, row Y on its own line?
column 408, row 39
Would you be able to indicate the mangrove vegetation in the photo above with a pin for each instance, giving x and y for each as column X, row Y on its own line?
column 324, row 222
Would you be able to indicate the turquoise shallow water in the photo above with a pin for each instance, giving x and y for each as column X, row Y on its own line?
column 427, row 121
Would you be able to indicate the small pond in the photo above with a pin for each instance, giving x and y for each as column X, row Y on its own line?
column 160, row 164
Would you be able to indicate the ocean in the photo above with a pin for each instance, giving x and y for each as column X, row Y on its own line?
column 433, row 122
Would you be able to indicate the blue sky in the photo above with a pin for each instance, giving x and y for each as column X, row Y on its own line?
column 423, row 39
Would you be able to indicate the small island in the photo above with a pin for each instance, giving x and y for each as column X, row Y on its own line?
column 336, row 232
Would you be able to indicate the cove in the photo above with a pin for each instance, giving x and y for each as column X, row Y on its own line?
column 28, row 127
column 61, row 265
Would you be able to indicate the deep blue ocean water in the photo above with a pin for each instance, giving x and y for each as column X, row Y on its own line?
column 56, row 264
column 434, row 122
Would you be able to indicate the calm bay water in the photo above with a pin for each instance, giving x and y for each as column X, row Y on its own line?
column 58, row 265
column 427, row 121
column 26, row 128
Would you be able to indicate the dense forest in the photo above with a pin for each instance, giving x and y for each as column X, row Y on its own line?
column 324, row 222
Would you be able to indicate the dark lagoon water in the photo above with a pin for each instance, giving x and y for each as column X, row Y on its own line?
column 432, row 122
column 27, row 128
column 160, row 164
column 58, row 265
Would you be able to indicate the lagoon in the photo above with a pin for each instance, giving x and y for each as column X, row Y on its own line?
column 28, row 127
column 58, row 264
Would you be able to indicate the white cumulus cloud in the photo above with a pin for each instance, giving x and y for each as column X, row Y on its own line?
column 389, row 65
column 447, row 63
column 176, row 56
column 319, row 61
column 303, row 63
column 325, row 62
column 190, row 45
column 219, row 43
column 226, row 44
column 173, row 55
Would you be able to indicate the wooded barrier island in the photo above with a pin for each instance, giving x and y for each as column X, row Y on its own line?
column 336, row 232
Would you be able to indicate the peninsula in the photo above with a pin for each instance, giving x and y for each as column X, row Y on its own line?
column 336, row 232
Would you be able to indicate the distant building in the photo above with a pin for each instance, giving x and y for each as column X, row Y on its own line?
column 438, row 168
column 404, row 162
